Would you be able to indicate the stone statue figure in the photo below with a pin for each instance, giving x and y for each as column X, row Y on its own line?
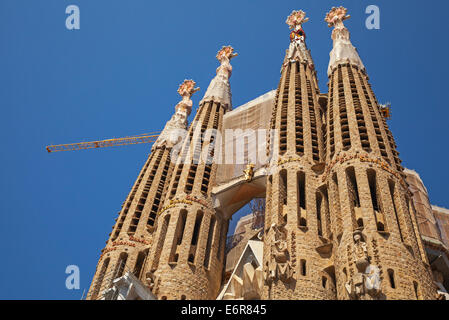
column 280, row 265
column 151, row 280
column 365, row 284
column 249, row 172
column 360, row 252
column 372, row 280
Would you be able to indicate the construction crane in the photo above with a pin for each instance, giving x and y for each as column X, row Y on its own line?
column 143, row 138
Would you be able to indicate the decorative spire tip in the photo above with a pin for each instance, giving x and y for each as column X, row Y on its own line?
column 187, row 88
column 336, row 16
column 226, row 51
column 297, row 17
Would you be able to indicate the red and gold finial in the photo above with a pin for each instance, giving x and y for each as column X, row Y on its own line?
column 336, row 16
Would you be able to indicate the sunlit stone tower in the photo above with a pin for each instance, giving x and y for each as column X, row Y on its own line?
column 132, row 236
column 339, row 220
column 376, row 245
column 297, row 254
column 186, row 261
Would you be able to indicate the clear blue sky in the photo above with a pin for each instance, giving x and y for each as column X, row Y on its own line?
column 118, row 76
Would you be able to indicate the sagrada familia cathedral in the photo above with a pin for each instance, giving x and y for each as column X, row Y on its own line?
column 341, row 216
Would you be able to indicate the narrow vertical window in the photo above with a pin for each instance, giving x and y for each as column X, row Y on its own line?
column 415, row 287
column 303, row 267
column 336, row 200
column 160, row 242
column 283, row 186
column 301, row 182
column 325, row 213
column 391, row 278
column 391, row 186
column 179, row 232
column 139, row 262
column 209, row 242
column 196, row 232
column 196, row 229
column 353, row 189
column 319, row 202
column 354, row 198
column 121, row 266
column 375, row 200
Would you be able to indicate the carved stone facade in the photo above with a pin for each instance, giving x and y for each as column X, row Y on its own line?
column 339, row 218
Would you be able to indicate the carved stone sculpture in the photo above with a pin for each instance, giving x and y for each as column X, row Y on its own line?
column 365, row 284
column 249, row 172
column 280, row 265
column 360, row 252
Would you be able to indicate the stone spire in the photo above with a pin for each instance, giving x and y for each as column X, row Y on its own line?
column 297, row 50
column 177, row 125
column 219, row 89
column 343, row 51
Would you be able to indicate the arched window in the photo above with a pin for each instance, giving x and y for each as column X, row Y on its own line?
column 391, row 278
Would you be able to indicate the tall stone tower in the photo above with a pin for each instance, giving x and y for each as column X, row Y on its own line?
column 339, row 218
column 186, row 261
column 132, row 236
column 376, row 246
column 297, row 226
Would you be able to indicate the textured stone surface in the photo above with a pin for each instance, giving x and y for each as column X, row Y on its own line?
column 336, row 171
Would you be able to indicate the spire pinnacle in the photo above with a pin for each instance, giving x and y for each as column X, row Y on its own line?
column 296, row 18
column 219, row 89
column 186, row 90
column 297, row 50
column 175, row 128
column 343, row 51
